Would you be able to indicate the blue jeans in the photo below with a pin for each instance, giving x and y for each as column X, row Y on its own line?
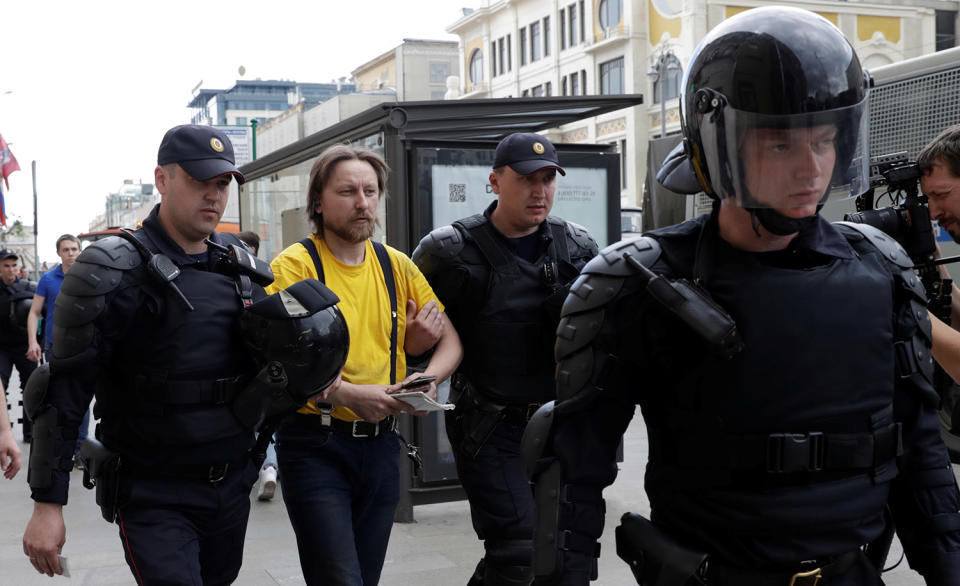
column 271, row 459
column 341, row 494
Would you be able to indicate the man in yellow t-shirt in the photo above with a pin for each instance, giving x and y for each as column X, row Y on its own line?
column 340, row 459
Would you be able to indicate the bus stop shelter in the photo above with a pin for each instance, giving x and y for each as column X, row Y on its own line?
column 440, row 154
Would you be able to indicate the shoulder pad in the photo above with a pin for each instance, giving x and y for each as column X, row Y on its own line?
column 471, row 222
column 437, row 248
column 856, row 234
column 581, row 237
column 113, row 252
column 602, row 278
column 100, row 267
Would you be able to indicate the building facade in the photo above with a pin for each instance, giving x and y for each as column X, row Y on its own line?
column 414, row 70
column 261, row 100
column 513, row 48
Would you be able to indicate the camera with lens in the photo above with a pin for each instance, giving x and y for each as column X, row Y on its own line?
column 907, row 219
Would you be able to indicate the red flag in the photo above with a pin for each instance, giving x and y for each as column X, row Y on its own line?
column 8, row 162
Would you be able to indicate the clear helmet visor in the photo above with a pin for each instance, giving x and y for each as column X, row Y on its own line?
column 791, row 163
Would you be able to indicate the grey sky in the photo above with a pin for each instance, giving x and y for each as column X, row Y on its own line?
column 94, row 85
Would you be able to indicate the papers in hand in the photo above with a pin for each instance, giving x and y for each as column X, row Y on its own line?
column 421, row 402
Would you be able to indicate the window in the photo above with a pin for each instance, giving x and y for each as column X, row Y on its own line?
column 671, row 72
column 574, row 84
column 572, row 17
column 537, row 92
column 523, row 46
column 946, row 28
column 583, row 82
column 476, row 67
column 583, row 22
column 611, row 77
column 525, row 93
column 546, row 36
column 563, row 85
column 241, row 120
column 610, row 13
column 509, row 50
column 439, row 72
column 548, row 88
column 493, row 58
column 503, row 56
column 535, row 41
column 563, row 29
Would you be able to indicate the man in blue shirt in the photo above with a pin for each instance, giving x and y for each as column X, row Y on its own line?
column 68, row 249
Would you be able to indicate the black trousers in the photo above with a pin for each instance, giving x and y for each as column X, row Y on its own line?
column 185, row 532
column 16, row 357
column 501, row 501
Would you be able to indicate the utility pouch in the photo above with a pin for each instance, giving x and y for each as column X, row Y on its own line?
column 655, row 558
column 477, row 415
column 478, row 425
column 102, row 470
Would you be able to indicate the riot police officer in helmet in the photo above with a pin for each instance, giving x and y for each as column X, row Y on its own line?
column 151, row 322
column 788, row 433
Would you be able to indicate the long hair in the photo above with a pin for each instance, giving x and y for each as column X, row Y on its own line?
column 323, row 168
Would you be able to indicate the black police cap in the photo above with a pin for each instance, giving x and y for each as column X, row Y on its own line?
column 204, row 152
column 526, row 153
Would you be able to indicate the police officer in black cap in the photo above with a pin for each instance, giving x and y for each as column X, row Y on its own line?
column 502, row 275
column 782, row 362
column 16, row 297
column 154, row 323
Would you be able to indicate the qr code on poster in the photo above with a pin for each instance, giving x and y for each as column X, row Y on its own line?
column 458, row 192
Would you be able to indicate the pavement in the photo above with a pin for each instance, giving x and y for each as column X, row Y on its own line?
column 438, row 549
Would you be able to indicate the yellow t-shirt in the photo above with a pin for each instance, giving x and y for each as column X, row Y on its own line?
column 365, row 304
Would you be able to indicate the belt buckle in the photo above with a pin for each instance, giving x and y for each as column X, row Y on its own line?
column 217, row 473
column 353, row 429
column 815, row 573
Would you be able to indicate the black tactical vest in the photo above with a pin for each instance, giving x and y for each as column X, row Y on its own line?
column 801, row 420
column 508, row 345
column 170, row 384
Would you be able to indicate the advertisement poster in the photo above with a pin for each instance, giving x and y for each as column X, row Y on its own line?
column 462, row 190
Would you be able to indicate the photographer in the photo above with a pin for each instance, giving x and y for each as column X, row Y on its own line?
column 939, row 163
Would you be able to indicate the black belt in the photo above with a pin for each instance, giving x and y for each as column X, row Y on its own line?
column 212, row 474
column 809, row 574
column 191, row 392
column 520, row 414
column 358, row 428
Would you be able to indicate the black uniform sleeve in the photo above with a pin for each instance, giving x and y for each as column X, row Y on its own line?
column 87, row 329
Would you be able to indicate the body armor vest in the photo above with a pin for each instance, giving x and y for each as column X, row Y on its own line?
column 172, row 382
column 790, row 427
column 508, row 347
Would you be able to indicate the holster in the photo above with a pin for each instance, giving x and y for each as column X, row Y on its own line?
column 102, row 470
column 656, row 558
column 475, row 415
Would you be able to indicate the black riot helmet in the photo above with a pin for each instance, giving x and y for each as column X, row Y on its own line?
column 786, row 76
column 301, row 328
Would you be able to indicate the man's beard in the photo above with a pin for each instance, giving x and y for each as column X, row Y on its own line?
column 354, row 233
